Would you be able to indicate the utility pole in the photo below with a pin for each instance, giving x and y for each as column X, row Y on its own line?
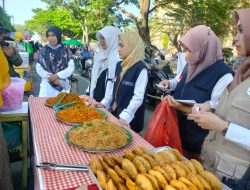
column 3, row 4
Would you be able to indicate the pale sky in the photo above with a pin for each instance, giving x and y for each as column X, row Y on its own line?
column 22, row 9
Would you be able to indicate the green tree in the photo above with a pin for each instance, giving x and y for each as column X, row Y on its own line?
column 91, row 15
column 5, row 20
column 60, row 17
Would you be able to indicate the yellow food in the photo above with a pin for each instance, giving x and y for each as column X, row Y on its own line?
column 189, row 164
column 178, row 185
column 158, row 158
column 98, row 135
column 195, row 180
column 121, row 187
column 187, row 170
column 101, row 177
column 159, row 177
column 110, row 185
column 150, row 160
column 211, row 179
column 153, row 181
column 180, row 172
column 122, row 173
column 138, row 151
column 104, row 165
column 169, row 187
column 115, row 177
column 170, row 171
column 205, row 184
column 177, row 154
column 109, row 161
column 95, row 164
column 144, row 162
column 130, row 184
column 139, row 165
column 163, row 172
column 117, row 160
column 130, row 168
column 197, row 165
column 143, row 182
column 170, row 155
column 188, row 183
column 129, row 155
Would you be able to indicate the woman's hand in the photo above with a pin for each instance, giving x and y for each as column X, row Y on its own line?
column 203, row 107
column 95, row 104
column 57, row 82
column 124, row 123
column 210, row 121
column 8, row 50
column 53, row 77
column 164, row 83
column 179, row 106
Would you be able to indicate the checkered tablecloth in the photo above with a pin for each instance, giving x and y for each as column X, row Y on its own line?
column 50, row 146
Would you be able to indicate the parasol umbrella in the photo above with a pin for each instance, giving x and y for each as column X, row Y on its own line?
column 72, row 42
column 18, row 35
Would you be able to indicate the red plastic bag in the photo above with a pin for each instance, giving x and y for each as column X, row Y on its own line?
column 163, row 127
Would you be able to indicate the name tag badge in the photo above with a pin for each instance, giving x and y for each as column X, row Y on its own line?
column 248, row 91
column 127, row 83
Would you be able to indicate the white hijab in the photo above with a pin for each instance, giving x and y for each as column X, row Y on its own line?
column 107, row 58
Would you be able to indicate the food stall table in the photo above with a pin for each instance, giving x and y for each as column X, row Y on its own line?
column 23, row 116
column 50, row 146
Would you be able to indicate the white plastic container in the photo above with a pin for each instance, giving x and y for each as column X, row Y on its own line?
column 13, row 95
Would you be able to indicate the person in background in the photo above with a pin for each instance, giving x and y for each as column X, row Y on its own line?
column 5, row 175
column 10, row 53
column 105, row 60
column 226, row 149
column 203, row 79
column 55, row 65
column 85, row 54
column 127, row 100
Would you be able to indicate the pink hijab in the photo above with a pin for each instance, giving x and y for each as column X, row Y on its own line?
column 243, row 72
column 205, row 47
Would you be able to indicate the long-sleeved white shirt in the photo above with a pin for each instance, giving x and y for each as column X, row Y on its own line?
column 140, row 86
column 217, row 90
column 239, row 135
column 46, row 90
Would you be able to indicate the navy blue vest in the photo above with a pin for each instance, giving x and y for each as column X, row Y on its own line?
column 99, row 91
column 199, row 89
column 125, row 93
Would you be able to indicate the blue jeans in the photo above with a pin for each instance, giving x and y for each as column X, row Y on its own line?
column 240, row 184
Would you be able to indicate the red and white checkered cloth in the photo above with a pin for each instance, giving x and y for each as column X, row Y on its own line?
column 50, row 146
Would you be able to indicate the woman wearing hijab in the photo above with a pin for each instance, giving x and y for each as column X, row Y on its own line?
column 105, row 60
column 203, row 79
column 5, row 175
column 128, row 95
column 55, row 65
column 226, row 150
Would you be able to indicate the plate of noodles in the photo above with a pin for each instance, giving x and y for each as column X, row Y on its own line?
column 98, row 136
column 79, row 115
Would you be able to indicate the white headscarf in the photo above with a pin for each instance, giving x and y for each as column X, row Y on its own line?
column 107, row 58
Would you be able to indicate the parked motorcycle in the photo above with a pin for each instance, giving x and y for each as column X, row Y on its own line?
column 86, row 72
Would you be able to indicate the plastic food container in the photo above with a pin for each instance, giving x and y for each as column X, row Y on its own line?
column 13, row 95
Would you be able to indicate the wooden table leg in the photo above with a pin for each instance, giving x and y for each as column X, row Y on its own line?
column 24, row 154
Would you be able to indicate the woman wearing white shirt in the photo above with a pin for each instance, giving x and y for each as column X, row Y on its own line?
column 55, row 65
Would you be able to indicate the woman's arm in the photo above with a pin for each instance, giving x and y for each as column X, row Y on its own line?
column 106, row 101
column 41, row 72
column 66, row 73
column 137, row 99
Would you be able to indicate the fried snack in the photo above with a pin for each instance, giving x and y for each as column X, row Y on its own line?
column 187, row 170
column 178, row 185
column 143, row 182
column 177, row 154
column 169, row 187
column 190, row 185
column 110, row 185
column 205, row 184
column 121, row 173
column 121, row 187
column 158, row 158
column 170, row 171
column 189, row 164
column 115, row 177
column 195, row 180
column 165, row 174
column 139, row 165
column 101, row 177
column 95, row 164
column 153, row 181
column 117, row 160
column 130, row 184
column 150, row 160
column 109, row 161
column 159, row 177
column 138, row 151
column 165, row 157
column 211, row 179
column 170, row 155
column 144, row 161
column 143, row 150
column 104, row 165
column 197, row 165
column 129, row 155
column 180, row 172
column 130, row 168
